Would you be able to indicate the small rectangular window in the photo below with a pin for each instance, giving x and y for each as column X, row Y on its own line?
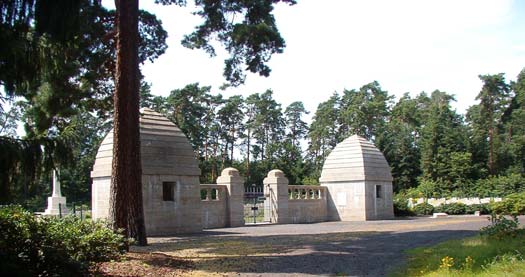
column 168, row 191
column 378, row 192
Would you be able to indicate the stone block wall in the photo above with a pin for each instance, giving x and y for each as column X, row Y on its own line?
column 346, row 201
column 379, row 195
column 307, row 204
column 100, row 197
column 180, row 214
column 214, row 206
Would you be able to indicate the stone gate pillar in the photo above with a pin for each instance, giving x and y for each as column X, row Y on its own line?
column 235, row 195
column 276, row 193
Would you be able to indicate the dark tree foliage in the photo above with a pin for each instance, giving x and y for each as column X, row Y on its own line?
column 515, row 126
column 493, row 99
column 58, row 65
column 63, row 63
column 247, row 29
column 88, row 132
column 364, row 112
column 56, row 59
column 323, row 132
column 442, row 135
column 186, row 108
column 230, row 117
column 400, row 142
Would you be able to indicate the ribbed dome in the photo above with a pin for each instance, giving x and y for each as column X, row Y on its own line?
column 165, row 150
column 355, row 159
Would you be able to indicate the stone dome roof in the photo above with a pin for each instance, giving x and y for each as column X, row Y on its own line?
column 355, row 159
column 165, row 150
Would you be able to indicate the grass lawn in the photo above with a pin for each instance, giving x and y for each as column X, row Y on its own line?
column 474, row 256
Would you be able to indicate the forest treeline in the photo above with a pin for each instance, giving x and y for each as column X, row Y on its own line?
column 431, row 148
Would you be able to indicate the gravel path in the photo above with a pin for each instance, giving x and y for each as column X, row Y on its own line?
column 370, row 248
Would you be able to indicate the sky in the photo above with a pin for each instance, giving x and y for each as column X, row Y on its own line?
column 405, row 45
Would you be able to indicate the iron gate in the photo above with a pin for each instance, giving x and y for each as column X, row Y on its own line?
column 254, row 209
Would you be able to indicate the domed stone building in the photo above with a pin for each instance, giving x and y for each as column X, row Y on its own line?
column 170, row 178
column 358, row 180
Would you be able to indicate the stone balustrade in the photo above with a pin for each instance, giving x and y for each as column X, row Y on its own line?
column 302, row 192
column 306, row 204
column 212, row 192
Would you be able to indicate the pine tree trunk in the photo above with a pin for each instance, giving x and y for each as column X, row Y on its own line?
column 232, row 146
column 490, row 115
column 206, row 149
column 126, row 210
column 491, row 151
column 214, row 163
column 248, row 156
column 224, row 156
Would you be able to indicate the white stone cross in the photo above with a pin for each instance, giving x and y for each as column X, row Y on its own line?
column 56, row 204
column 56, row 185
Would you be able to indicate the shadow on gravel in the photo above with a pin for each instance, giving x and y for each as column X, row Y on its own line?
column 336, row 253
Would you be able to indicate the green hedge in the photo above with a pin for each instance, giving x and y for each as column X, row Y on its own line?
column 423, row 209
column 33, row 246
column 495, row 186
column 452, row 208
column 401, row 207
column 513, row 204
column 482, row 208
column 500, row 186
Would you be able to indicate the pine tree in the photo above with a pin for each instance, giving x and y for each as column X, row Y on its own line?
column 493, row 101
column 400, row 142
column 323, row 133
column 443, row 134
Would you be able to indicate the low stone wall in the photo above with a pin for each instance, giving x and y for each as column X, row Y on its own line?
column 214, row 206
column 306, row 204
column 440, row 201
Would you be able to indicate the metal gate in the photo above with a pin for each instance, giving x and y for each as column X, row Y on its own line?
column 254, row 209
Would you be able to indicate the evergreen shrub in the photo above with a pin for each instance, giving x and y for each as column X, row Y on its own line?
column 33, row 246
column 500, row 186
column 451, row 209
column 501, row 227
column 423, row 209
column 401, row 207
column 482, row 208
column 513, row 204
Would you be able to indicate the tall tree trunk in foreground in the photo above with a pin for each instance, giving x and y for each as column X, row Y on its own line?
column 126, row 210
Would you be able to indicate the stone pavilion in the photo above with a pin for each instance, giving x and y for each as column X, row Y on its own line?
column 358, row 180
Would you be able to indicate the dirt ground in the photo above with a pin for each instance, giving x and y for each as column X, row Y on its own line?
column 370, row 248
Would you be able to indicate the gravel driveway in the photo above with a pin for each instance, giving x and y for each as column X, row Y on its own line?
column 370, row 248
